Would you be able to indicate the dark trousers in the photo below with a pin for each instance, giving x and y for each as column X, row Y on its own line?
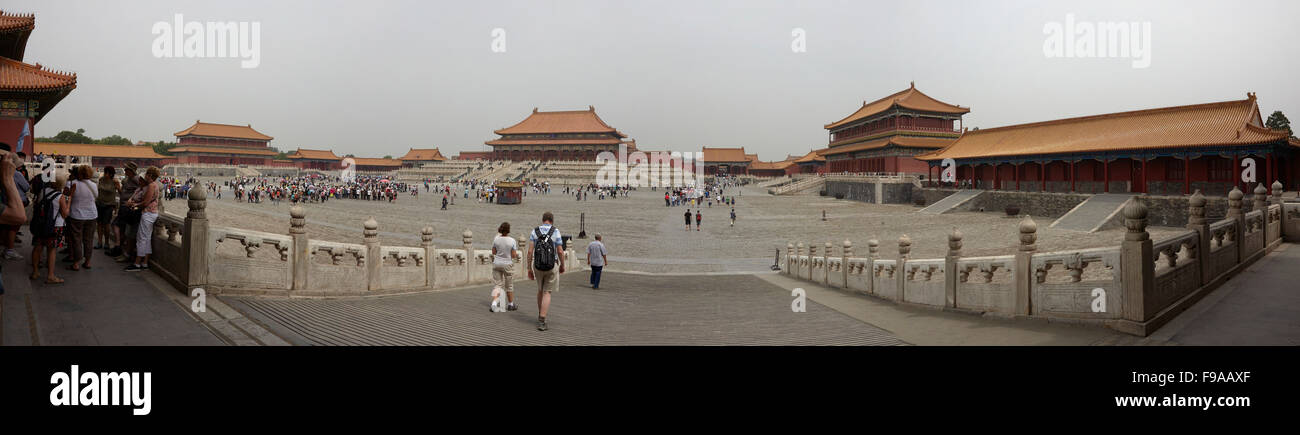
column 82, row 241
column 595, row 275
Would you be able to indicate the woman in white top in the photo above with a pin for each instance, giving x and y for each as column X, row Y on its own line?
column 82, row 215
column 504, row 253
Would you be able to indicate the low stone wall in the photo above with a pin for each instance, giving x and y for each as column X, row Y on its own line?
column 190, row 254
column 872, row 192
column 1039, row 204
column 1134, row 288
column 933, row 195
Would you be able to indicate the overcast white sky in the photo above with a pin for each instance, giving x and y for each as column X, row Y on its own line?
column 378, row 77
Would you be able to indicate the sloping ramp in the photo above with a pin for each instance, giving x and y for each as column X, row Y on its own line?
column 952, row 201
column 1101, row 211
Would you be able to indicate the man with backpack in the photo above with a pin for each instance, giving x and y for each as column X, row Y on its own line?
column 545, row 254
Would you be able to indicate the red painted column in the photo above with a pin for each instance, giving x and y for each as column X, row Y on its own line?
column 1187, row 175
column 997, row 176
column 1268, row 170
column 1017, row 166
column 1042, row 177
column 1236, row 171
column 1105, row 183
column 1142, row 174
column 1072, row 176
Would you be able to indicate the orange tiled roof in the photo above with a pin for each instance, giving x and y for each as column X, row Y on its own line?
column 557, row 141
column 751, row 157
column 902, row 141
column 781, row 165
column 909, row 98
column 812, row 156
column 223, row 130
column 224, row 150
column 423, row 154
column 569, row 121
column 724, row 155
column 365, row 161
column 1212, row 124
column 96, row 150
column 15, row 75
column 10, row 22
column 303, row 153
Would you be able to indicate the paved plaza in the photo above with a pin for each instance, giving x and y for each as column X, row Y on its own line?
column 644, row 235
column 628, row 309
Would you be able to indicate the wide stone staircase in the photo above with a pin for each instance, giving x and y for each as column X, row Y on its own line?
column 801, row 186
column 951, row 202
column 1100, row 212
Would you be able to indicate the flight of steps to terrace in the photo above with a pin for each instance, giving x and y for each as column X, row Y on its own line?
column 801, row 186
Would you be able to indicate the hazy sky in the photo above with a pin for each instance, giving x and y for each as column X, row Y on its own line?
column 378, row 77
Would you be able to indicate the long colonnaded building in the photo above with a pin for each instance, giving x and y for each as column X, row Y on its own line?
column 560, row 135
column 886, row 135
column 1171, row 150
column 223, row 144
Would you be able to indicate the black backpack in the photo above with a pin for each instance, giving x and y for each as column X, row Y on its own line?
column 544, row 250
column 45, row 214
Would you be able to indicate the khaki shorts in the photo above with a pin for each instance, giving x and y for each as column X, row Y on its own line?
column 548, row 280
column 503, row 277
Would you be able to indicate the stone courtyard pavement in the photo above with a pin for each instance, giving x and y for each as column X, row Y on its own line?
column 628, row 309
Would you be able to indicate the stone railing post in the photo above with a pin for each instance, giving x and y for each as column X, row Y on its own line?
column 374, row 255
column 1239, row 230
column 789, row 257
column 467, row 239
column 1261, row 197
column 1024, row 266
column 873, row 252
column 1137, row 263
column 798, row 273
column 812, row 260
column 900, row 268
column 845, row 252
column 1196, row 222
column 950, row 268
column 301, row 258
column 426, row 242
column 195, row 240
column 826, row 264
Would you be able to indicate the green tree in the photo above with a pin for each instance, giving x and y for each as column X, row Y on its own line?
column 163, row 148
column 1278, row 121
column 66, row 136
column 388, row 157
column 115, row 140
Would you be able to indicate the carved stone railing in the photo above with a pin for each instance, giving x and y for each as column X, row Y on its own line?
column 190, row 254
column 1176, row 267
column 1065, row 283
column 1135, row 288
column 986, row 284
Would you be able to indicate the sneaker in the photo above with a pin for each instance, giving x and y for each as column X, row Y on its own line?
column 11, row 254
column 512, row 307
column 541, row 325
column 133, row 268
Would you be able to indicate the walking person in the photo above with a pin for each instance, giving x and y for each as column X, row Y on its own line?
column 688, row 219
column 698, row 218
column 148, row 206
column 105, row 205
column 83, row 216
column 505, row 250
column 545, row 260
column 596, row 258
column 49, row 216
column 733, row 217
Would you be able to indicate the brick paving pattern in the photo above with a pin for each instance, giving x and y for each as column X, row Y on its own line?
column 629, row 309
